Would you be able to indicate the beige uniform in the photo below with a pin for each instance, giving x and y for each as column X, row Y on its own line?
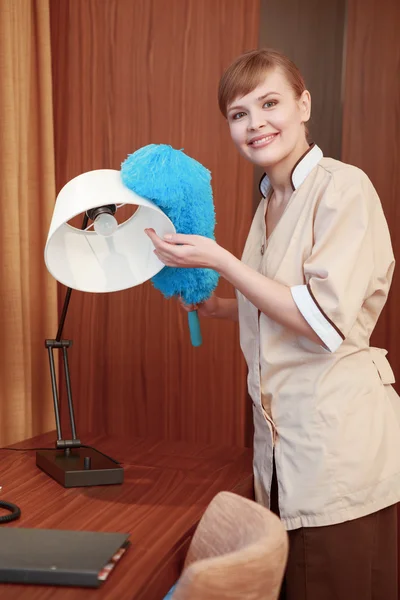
column 327, row 413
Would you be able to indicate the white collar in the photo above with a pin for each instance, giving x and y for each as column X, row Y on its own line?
column 301, row 169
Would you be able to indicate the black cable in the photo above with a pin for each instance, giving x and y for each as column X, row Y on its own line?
column 25, row 449
column 14, row 510
column 117, row 462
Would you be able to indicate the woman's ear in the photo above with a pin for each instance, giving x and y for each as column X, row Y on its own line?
column 305, row 106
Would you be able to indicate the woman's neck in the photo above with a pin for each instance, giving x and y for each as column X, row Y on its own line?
column 279, row 175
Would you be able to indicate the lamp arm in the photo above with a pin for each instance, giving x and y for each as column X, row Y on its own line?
column 63, row 345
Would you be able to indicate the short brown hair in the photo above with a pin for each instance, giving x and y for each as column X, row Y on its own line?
column 248, row 71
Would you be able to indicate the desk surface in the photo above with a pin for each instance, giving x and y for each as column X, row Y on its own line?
column 167, row 487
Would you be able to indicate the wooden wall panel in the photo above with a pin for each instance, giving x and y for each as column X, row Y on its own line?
column 311, row 33
column 127, row 73
column 371, row 129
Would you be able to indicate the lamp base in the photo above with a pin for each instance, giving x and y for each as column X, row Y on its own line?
column 79, row 467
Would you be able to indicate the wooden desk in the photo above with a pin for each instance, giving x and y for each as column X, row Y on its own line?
column 167, row 487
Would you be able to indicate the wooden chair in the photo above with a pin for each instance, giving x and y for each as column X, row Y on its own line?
column 238, row 552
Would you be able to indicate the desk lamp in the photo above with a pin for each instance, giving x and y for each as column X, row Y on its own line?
column 103, row 256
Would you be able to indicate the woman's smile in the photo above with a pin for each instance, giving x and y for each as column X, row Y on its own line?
column 261, row 141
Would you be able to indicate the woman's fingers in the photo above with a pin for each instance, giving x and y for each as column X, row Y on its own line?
column 157, row 241
column 181, row 250
column 186, row 307
column 180, row 238
column 169, row 254
column 170, row 239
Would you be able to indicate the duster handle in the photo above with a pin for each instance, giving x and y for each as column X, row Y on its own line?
column 194, row 328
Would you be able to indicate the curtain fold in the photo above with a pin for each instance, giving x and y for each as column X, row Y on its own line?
column 28, row 294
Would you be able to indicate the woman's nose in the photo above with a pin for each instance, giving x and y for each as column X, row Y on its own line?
column 256, row 122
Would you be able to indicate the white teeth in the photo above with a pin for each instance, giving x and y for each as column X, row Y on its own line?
column 262, row 140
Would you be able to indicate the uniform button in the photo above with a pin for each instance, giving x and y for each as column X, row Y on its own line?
column 262, row 249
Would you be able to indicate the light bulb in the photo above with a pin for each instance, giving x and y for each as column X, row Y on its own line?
column 105, row 225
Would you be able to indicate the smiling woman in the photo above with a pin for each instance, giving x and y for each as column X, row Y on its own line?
column 264, row 98
column 313, row 279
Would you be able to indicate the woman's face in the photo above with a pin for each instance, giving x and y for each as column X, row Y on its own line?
column 267, row 125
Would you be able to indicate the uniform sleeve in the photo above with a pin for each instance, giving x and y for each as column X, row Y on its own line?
column 340, row 270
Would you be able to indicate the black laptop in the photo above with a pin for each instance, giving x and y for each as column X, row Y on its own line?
column 59, row 557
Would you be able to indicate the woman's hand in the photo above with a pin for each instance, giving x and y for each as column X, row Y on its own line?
column 208, row 308
column 215, row 307
column 188, row 251
column 196, row 251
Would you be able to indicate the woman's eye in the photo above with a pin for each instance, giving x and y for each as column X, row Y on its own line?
column 270, row 104
column 237, row 116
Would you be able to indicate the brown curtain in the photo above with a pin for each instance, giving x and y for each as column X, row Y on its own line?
column 28, row 295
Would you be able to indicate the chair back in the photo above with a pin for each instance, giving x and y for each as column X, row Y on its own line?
column 238, row 552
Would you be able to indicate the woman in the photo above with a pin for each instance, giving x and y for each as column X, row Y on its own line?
column 313, row 279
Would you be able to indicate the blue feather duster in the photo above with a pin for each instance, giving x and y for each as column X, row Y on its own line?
column 181, row 187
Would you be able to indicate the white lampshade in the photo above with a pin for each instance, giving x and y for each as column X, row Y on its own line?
column 86, row 261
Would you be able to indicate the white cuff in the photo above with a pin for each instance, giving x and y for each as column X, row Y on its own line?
column 315, row 318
